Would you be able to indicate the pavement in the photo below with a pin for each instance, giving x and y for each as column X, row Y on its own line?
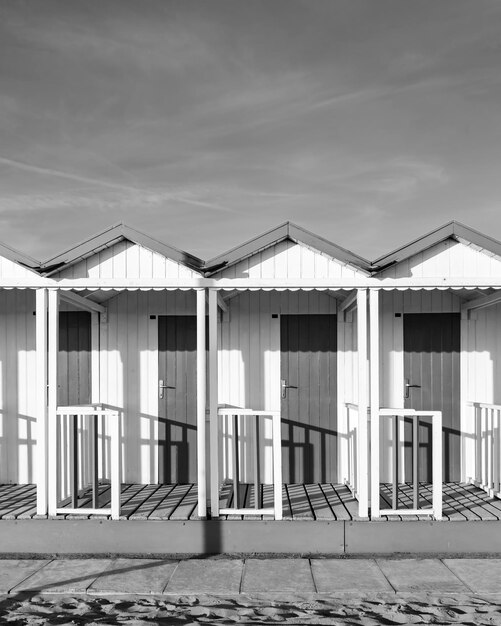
column 257, row 577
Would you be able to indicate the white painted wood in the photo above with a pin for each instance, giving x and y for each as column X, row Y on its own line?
column 437, row 464
column 41, row 353
column 213, row 403
column 482, row 302
column 53, row 347
column 348, row 303
column 374, row 398
column 342, row 460
column 115, row 464
column 277, row 466
column 82, row 303
column 201, row 405
column 363, row 466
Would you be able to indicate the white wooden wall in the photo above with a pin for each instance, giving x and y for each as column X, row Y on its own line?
column 448, row 259
column 391, row 337
column 126, row 260
column 287, row 259
column 17, row 386
column 482, row 366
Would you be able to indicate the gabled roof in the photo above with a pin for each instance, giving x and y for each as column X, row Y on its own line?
column 291, row 232
column 452, row 230
column 110, row 237
column 18, row 257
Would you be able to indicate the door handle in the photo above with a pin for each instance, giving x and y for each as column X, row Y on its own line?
column 285, row 386
column 408, row 386
column 161, row 388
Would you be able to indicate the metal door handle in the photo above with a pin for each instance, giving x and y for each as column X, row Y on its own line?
column 161, row 388
column 285, row 386
column 408, row 386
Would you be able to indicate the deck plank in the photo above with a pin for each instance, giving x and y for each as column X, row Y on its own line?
column 148, row 504
column 338, row 509
column 347, row 499
column 319, row 503
column 300, row 505
column 187, row 505
column 476, row 502
column 165, row 509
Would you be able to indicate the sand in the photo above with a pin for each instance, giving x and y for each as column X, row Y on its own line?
column 456, row 609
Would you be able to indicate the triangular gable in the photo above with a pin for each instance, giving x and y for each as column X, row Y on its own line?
column 14, row 264
column 451, row 251
column 287, row 251
column 123, row 252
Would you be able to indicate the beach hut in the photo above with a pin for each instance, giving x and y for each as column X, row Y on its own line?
column 285, row 379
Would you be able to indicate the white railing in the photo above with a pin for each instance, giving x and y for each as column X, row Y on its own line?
column 75, row 461
column 352, row 447
column 236, row 415
column 487, row 421
column 415, row 416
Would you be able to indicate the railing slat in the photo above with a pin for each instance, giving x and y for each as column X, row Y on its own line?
column 235, row 463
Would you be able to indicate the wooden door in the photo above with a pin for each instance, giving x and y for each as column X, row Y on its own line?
column 308, row 346
column 74, row 358
column 177, row 410
column 431, row 362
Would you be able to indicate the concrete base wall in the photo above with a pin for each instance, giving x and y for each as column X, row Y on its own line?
column 95, row 537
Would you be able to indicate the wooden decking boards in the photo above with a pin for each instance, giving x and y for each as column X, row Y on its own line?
column 304, row 503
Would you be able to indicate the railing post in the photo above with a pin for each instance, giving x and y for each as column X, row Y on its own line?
column 437, row 464
column 115, row 465
column 235, row 463
column 74, row 459
column 395, row 462
column 256, row 464
column 277, row 466
column 415, row 461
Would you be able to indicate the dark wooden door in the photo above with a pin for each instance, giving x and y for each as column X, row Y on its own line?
column 177, row 430
column 431, row 361
column 74, row 358
column 309, row 413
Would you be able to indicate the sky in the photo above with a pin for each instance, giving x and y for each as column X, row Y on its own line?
column 206, row 122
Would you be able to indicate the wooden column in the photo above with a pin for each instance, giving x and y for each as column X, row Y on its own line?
column 374, row 398
column 93, row 426
column 41, row 360
column 363, row 466
column 342, row 446
column 213, row 401
column 53, row 347
column 201, row 405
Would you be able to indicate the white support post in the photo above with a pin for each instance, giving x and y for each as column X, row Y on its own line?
column 363, row 466
column 342, row 446
column 374, row 387
column 41, row 360
column 467, row 413
column 213, row 402
column 95, row 358
column 53, row 347
column 201, row 404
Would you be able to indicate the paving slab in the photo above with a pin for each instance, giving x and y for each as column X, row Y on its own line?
column 277, row 575
column 64, row 576
column 420, row 575
column 134, row 576
column 480, row 575
column 349, row 576
column 198, row 576
column 14, row 571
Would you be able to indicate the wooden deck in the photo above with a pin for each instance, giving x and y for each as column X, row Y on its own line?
column 322, row 502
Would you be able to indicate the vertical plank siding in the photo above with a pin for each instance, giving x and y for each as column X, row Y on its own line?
column 17, row 386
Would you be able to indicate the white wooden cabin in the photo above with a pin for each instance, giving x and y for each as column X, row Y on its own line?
column 279, row 365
